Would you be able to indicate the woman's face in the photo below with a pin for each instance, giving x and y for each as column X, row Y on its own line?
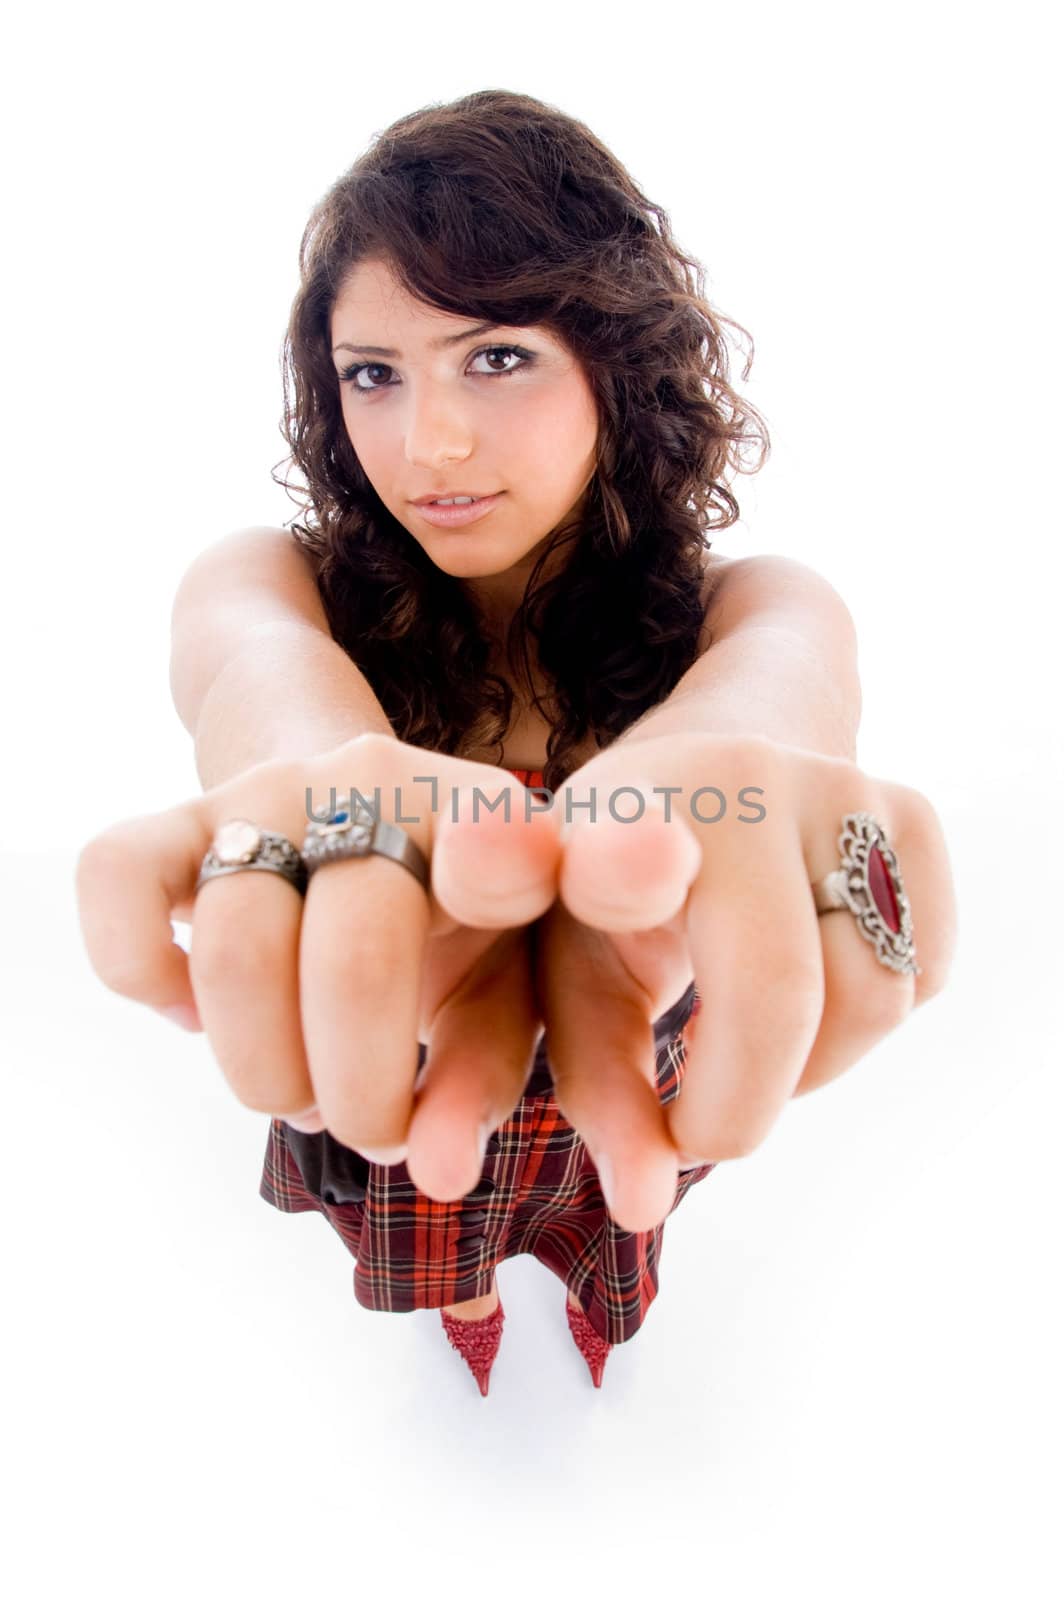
column 432, row 408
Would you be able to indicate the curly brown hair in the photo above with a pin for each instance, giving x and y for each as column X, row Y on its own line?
column 502, row 209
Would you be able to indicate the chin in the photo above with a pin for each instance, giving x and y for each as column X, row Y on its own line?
column 463, row 550
column 474, row 567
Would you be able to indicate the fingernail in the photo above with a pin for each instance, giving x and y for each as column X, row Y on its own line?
column 307, row 1121
column 184, row 1015
column 384, row 1158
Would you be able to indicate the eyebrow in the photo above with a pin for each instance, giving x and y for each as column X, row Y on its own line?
column 434, row 344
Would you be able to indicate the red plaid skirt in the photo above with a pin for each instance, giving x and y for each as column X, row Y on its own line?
column 538, row 1195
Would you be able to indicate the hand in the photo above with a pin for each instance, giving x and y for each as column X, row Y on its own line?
column 789, row 999
column 314, row 1007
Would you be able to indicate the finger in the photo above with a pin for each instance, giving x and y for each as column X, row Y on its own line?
column 361, row 992
column 365, row 925
column 864, row 1000
column 755, row 947
column 480, row 1053
column 128, row 881
column 600, row 1042
column 244, row 966
column 495, row 866
column 623, row 876
column 650, row 863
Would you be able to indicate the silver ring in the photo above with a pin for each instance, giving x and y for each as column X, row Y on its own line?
column 241, row 846
column 867, row 883
column 353, row 830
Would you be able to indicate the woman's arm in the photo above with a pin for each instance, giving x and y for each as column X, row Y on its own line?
column 256, row 674
column 254, row 671
column 778, row 658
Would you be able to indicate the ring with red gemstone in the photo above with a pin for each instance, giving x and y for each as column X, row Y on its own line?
column 242, row 846
column 868, row 884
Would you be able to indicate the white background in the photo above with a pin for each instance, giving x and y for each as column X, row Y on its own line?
column 851, row 1380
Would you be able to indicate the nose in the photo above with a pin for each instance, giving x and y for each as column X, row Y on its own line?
column 436, row 430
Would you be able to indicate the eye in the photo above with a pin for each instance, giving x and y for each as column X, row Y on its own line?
column 505, row 350
column 353, row 373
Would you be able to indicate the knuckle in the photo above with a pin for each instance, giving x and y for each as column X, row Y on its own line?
column 746, row 754
column 848, row 788
column 914, row 811
column 102, row 857
column 260, row 1089
column 732, row 1144
column 885, row 1006
column 278, row 778
column 375, row 747
column 844, row 786
column 371, row 739
column 254, row 1091
column 933, row 978
column 726, row 1134
column 361, row 762
column 123, row 970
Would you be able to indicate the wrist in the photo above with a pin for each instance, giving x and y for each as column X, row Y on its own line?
column 286, row 695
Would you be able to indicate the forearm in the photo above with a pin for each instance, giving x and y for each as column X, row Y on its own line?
column 769, row 680
column 290, row 691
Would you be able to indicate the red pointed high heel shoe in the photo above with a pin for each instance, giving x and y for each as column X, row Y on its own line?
column 476, row 1342
column 591, row 1345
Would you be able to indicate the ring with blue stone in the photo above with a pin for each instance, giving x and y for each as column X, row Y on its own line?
column 351, row 829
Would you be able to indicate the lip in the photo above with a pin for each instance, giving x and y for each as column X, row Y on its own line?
column 449, row 494
column 456, row 516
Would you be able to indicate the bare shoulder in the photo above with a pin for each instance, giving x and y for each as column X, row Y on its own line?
column 773, row 589
column 714, row 567
column 265, row 545
column 255, row 575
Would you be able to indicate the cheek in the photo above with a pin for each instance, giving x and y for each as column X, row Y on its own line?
column 564, row 421
column 373, row 446
column 350, row 427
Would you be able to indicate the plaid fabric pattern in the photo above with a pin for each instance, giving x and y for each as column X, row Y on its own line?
column 538, row 1195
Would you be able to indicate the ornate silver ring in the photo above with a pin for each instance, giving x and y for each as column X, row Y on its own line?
column 868, row 884
column 242, row 846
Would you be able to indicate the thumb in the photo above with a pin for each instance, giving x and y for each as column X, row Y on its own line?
column 627, row 876
column 496, row 857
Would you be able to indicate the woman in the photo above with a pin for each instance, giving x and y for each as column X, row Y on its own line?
column 491, row 312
